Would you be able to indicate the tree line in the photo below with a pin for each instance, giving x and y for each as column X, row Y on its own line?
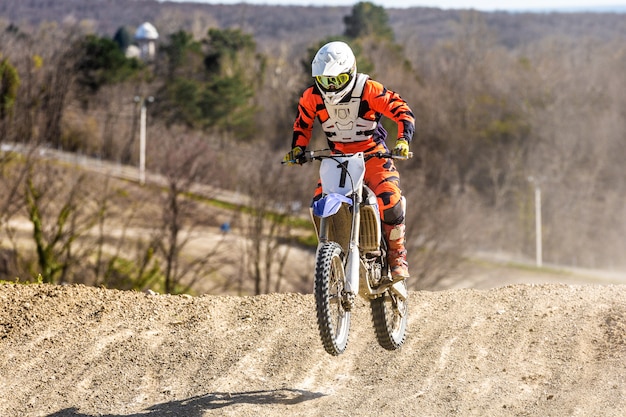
column 490, row 115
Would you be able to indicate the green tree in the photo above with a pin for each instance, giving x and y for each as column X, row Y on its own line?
column 122, row 38
column 183, row 56
column 180, row 104
column 210, row 84
column 9, row 83
column 182, row 69
column 102, row 62
column 224, row 103
column 223, row 48
column 234, row 70
column 367, row 19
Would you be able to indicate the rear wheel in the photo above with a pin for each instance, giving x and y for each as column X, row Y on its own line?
column 332, row 317
column 389, row 315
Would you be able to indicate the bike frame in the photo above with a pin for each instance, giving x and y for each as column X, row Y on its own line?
column 342, row 181
column 342, row 178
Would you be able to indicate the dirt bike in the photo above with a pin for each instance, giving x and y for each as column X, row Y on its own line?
column 351, row 256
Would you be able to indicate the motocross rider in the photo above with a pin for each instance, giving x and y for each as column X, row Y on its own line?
column 349, row 106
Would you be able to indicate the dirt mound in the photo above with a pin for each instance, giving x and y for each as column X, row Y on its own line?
column 520, row 350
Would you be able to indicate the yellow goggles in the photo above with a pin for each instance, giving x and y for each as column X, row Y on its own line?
column 333, row 83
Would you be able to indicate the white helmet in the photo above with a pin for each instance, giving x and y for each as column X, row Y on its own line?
column 334, row 70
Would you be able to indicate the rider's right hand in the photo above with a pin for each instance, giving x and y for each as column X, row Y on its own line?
column 294, row 156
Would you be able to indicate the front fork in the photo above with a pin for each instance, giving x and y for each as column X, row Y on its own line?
column 352, row 261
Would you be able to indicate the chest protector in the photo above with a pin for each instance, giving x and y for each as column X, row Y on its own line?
column 344, row 123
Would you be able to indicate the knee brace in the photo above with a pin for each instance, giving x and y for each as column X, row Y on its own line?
column 395, row 215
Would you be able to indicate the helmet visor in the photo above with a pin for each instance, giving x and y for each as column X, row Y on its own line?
column 333, row 83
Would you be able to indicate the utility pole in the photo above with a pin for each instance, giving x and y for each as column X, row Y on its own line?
column 538, row 231
column 142, row 137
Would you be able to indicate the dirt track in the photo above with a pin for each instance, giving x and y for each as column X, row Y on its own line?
column 546, row 350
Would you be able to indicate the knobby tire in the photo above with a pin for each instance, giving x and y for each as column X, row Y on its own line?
column 389, row 315
column 332, row 318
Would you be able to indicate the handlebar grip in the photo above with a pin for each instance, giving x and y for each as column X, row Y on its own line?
column 402, row 158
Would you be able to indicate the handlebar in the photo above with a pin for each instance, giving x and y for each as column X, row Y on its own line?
column 309, row 156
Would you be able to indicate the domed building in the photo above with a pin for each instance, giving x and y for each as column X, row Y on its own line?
column 146, row 36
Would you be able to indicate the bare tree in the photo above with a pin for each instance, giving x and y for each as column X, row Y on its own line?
column 59, row 209
column 185, row 163
column 268, row 220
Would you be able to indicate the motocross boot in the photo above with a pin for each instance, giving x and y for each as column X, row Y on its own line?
column 396, row 255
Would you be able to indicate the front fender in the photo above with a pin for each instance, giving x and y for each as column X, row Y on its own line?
column 329, row 204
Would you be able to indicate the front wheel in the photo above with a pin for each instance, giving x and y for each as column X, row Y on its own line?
column 332, row 317
column 390, row 314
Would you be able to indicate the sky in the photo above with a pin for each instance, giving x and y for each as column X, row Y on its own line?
column 484, row 5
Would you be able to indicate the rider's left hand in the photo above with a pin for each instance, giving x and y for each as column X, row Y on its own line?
column 401, row 149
